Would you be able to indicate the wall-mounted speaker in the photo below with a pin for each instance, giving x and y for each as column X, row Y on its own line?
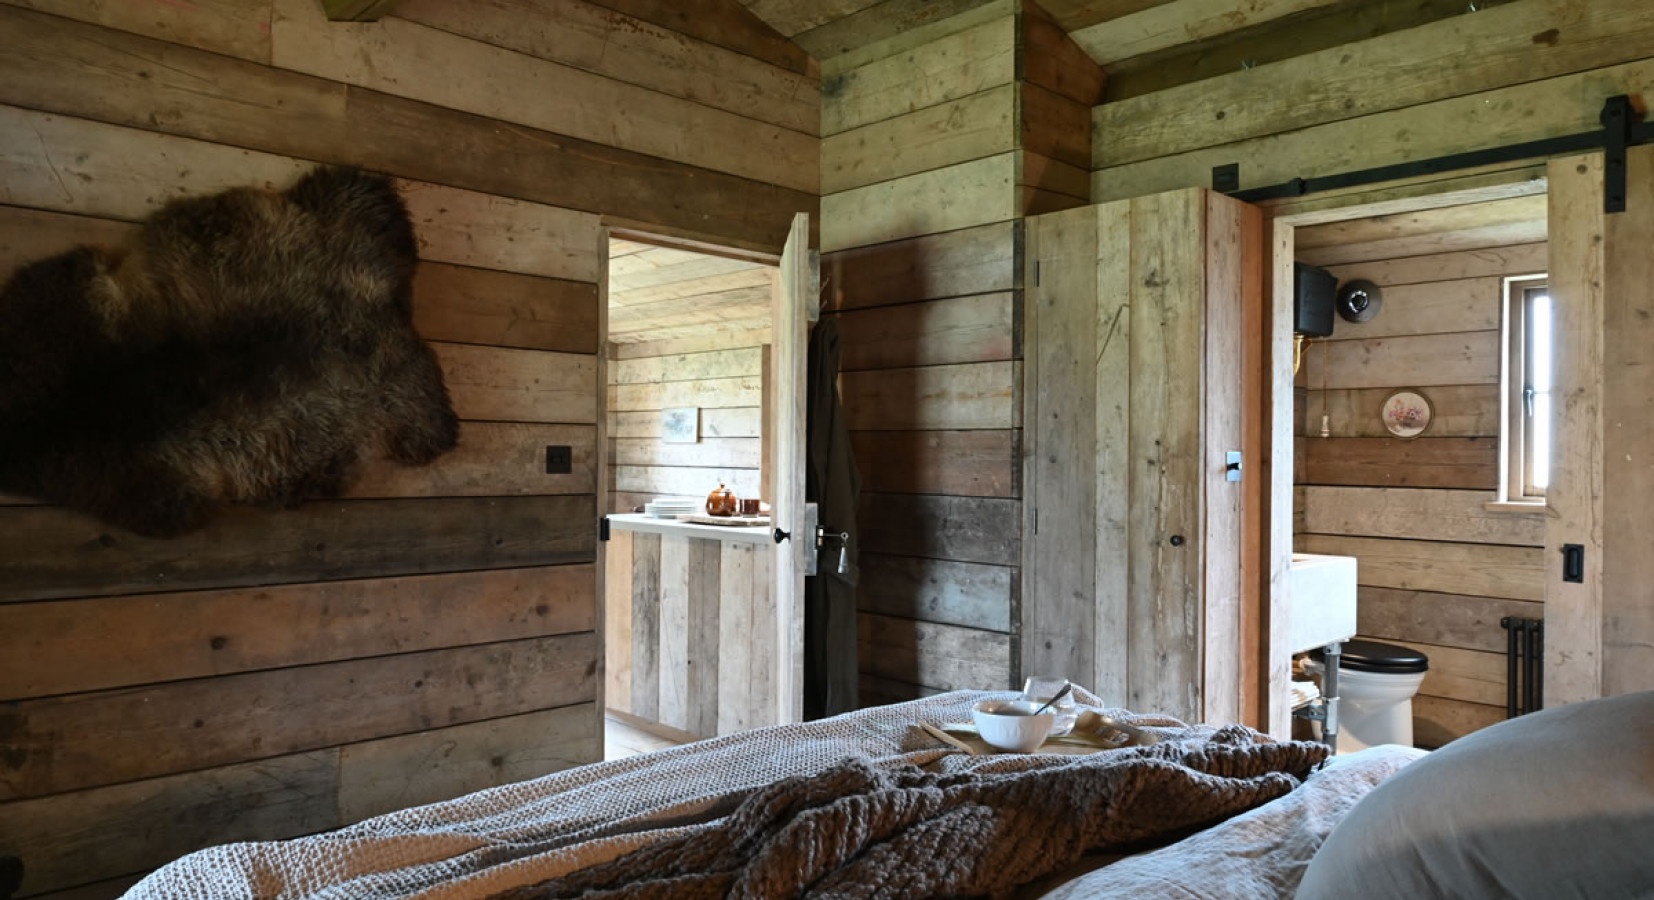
column 1315, row 291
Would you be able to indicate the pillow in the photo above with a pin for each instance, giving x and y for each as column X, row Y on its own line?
column 1556, row 804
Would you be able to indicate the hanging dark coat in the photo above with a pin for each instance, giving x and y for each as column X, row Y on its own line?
column 832, row 482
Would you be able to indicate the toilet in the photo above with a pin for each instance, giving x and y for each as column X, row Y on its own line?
column 1376, row 684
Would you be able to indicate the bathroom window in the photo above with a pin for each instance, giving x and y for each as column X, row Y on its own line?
column 1526, row 418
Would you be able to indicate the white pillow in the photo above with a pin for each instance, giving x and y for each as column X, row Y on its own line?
column 1556, row 804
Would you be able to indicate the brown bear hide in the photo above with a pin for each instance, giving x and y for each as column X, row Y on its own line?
column 245, row 347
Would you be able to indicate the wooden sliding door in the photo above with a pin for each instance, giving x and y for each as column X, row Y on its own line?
column 1135, row 393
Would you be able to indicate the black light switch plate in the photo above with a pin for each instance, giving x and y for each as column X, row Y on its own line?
column 559, row 460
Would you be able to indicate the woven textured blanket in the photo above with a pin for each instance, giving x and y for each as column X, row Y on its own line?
column 571, row 825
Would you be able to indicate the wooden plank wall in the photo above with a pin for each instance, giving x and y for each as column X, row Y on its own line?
column 1437, row 570
column 1533, row 69
column 681, row 616
column 282, row 673
column 722, row 375
column 934, row 145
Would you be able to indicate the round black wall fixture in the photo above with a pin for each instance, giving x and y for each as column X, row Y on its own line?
column 1359, row 301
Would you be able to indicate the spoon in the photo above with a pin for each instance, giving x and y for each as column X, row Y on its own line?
column 1066, row 687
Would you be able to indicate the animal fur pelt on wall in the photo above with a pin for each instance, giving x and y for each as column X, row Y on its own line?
column 245, row 347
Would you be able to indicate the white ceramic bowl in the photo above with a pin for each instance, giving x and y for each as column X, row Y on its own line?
column 1011, row 725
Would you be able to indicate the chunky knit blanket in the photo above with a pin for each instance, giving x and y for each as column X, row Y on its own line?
column 858, row 831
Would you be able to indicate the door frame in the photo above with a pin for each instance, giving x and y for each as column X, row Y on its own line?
column 796, row 301
column 1284, row 218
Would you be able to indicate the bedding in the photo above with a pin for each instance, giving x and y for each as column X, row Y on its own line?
column 570, row 825
column 1554, row 804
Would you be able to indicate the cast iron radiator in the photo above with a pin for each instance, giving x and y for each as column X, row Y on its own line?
column 1524, row 665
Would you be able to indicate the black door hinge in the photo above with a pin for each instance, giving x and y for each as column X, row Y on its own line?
column 1617, row 119
column 603, row 528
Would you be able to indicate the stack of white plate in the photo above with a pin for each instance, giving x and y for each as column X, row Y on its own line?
column 669, row 508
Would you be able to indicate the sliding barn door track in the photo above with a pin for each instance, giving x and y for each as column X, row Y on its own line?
column 1622, row 128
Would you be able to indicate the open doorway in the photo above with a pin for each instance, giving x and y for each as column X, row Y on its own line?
column 1419, row 437
column 688, row 339
column 703, row 415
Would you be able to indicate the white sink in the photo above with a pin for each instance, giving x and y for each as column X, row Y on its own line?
column 1321, row 600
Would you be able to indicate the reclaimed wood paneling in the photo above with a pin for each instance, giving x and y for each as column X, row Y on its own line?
column 1414, row 66
column 145, row 824
column 933, row 590
column 1051, row 59
column 183, row 92
column 238, row 717
column 960, row 330
column 952, row 264
column 645, row 661
column 888, row 29
column 1060, row 618
column 721, row 393
column 1390, row 462
column 395, row 56
column 965, row 529
column 726, row 363
column 954, row 66
column 1548, row 108
column 684, row 481
column 1438, row 721
column 1470, row 304
column 382, row 776
column 73, row 646
column 1455, row 411
column 940, row 656
column 585, row 36
column 1574, row 630
column 504, row 384
column 1477, row 570
column 477, row 306
column 1451, row 620
column 493, row 459
column 708, row 452
column 1429, row 359
column 56, row 554
column 1429, row 515
column 617, row 621
column 968, row 396
column 1522, row 259
column 720, row 24
column 963, row 195
column 737, row 422
column 27, row 235
column 1166, row 25
column 971, row 127
column 1627, row 408
column 959, row 463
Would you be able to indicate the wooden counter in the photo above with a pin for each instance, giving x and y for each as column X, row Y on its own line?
column 692, row 634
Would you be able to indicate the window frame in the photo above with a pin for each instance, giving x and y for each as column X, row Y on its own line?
column 1516, row 425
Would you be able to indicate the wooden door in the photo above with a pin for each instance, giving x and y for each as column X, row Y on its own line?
column 1134, row 394
column 1599, row 629
column 797, row 304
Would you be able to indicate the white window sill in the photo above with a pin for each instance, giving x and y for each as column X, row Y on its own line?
column 1518, row 507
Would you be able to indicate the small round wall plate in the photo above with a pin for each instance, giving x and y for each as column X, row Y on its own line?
column 1406, row 414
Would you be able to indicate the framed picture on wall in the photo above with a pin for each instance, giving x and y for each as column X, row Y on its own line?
column 681, row 425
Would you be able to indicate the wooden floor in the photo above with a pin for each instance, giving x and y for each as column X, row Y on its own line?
column 625, row 735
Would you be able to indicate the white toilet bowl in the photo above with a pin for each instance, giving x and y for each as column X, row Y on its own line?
column 1376, row 684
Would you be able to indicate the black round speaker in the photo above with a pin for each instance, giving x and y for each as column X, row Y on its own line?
column 1359, row 301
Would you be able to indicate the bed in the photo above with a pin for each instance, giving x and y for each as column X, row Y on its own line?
column 516, row 840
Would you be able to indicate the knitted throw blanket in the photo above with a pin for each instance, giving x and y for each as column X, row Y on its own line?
column 860, row 831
